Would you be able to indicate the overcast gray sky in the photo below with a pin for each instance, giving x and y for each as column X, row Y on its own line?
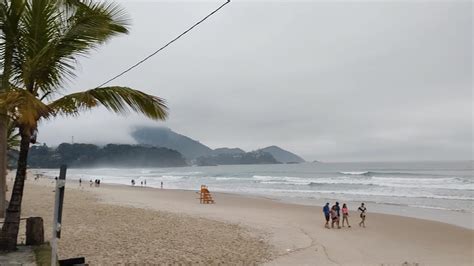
column 331, row 81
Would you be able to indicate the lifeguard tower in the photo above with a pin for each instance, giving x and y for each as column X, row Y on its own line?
column 205, row 196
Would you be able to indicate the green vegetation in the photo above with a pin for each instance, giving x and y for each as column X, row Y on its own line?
column 43, row 254
column 255, row 157
column 113, row 155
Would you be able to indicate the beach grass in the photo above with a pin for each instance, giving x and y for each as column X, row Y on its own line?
column 43, row 254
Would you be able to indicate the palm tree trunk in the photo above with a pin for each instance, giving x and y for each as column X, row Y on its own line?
column 9, row 233
column 10, row 35
column 3, row 165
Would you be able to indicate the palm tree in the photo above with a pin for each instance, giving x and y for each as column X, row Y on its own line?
column 10, row 12
column 52, row 34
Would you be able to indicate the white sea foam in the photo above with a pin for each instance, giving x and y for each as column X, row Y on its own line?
column 396, row 182
column 446, row 188
column 355, row 173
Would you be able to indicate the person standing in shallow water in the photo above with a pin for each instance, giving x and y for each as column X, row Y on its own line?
column 345, row 215
column 362, row 209
column 327, row 213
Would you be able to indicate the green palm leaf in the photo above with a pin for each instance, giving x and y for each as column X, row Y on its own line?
column 117, row 99
column 54, row 35
column 24, row 108
column 13, row 137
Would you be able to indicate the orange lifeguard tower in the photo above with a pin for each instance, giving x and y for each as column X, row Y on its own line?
column 206, row 196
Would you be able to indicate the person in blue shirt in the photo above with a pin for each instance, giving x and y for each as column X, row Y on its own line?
column 326, row 212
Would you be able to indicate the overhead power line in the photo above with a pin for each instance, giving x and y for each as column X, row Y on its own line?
column 164, row 46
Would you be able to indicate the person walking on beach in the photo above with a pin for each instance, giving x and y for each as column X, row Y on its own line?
column 327, row 214
column 161, row 184
column 133, row 182
column 338, row 210
column 345, row 215
column 80, row 181
column 362, row 209
column 334, row 217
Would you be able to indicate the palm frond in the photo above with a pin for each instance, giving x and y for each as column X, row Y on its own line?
column 24, row 108
column 39, row 25
column 10, row 14
column 56, row 33
column 117, row 99
column 13, row 137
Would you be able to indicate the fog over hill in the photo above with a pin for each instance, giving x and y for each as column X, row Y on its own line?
column 193, row 149
column 228, row 151
column 165, row 137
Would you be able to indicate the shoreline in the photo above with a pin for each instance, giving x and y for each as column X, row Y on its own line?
column 463, row 219
column 427, row 214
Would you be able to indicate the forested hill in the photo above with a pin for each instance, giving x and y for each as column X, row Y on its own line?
column 165, row 137
column 255, row 157
column 193, row 149
column 113, row 155
column 282, row 155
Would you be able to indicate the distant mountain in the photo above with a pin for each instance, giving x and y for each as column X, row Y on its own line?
column 192, row 149
column 115, row 155
column 282, row 155
column 228, row 151
column 255, row 157
column 165, row 137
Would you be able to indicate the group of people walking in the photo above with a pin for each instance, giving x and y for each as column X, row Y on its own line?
column 333, row 214
column 96, row 182
column 142, row 183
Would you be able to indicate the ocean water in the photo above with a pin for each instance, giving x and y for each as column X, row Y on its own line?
column 428, row 185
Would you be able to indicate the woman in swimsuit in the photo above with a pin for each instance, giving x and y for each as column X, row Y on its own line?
column 345, row 215
column 362, row 209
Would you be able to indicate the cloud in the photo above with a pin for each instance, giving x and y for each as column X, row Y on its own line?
column 329, row 80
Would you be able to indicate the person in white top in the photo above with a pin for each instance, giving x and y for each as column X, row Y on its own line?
column 363, row 210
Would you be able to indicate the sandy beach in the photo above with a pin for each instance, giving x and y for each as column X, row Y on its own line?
column 122, row 224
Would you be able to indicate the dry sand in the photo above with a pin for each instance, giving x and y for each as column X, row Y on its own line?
column 144, row 225
column 109, row 234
